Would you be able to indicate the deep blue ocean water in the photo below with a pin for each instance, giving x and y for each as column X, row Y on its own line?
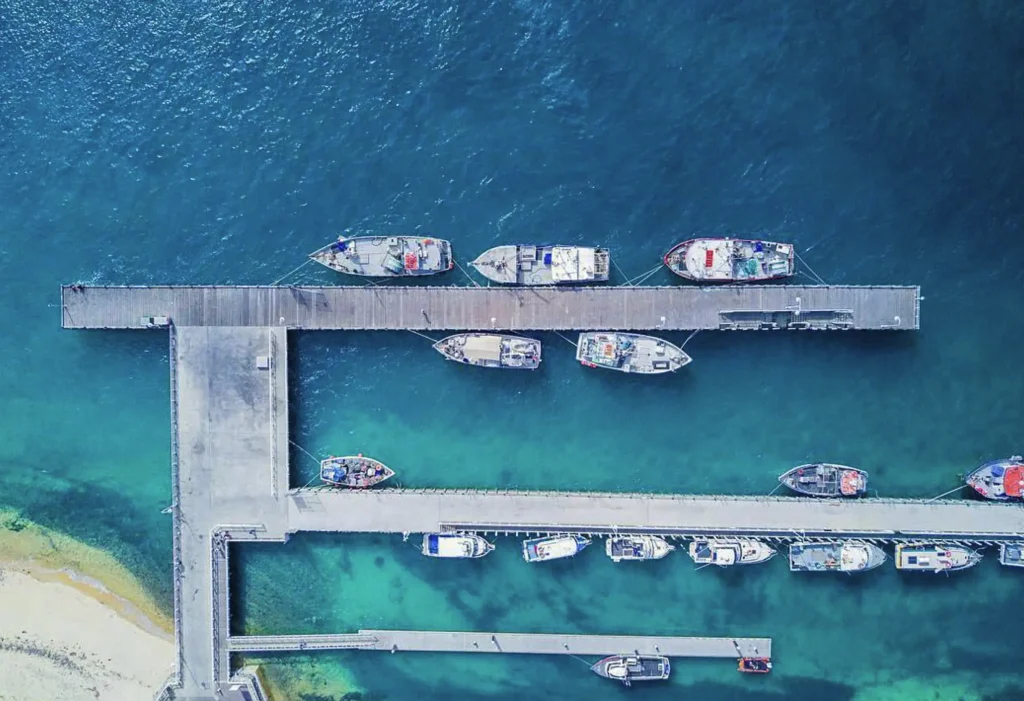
column 220, row 142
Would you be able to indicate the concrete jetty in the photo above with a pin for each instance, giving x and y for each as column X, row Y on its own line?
column 781, row 518
column 509, row 643
column 395, row 307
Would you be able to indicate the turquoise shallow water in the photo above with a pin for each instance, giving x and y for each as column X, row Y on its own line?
column 176, row 143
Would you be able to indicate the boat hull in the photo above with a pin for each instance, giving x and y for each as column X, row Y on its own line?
column 387, row 256
column 497, row 351
column 533, row 266
column 642, row 547
column 999, row 480
column 726, row 552
column 726, row 259
column 826, row 480
column 354, row 472
column 633, row 668
column 553, row 547
column 629, row 353
column 835, row 556
column 455, row 545
column 935, row 558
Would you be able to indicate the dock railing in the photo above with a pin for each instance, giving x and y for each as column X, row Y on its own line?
column 177, row 565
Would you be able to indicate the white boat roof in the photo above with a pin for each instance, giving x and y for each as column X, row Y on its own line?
column 853, row 556
column 557, row 547
column 483, row 347
column 454, row 545
column 569, row 263
column 724, row 554
column 721, row 259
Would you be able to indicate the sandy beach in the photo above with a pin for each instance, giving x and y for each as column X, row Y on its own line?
column 74, row 624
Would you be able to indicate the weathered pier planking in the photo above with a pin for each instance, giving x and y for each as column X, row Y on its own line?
column 394, row 307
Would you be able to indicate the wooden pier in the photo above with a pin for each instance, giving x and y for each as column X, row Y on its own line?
column 509, row 643
column 393, row 307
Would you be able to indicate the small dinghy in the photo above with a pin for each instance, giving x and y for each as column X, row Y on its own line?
column 999, row 480
column 543, row 265
column 629, row 352
column 935, row 557
column 637, row 547
column 455, row 545
column 731, row 260
column 1011, row 554
column 489, row 350
column 387, row 256
column 835, row 556
column 826, row 480
column 754, row 665
column 354, row 471
column 633, row 668
column 553, row 547
column 725, row 552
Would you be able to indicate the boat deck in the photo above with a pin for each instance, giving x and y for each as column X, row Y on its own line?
column 423, row 307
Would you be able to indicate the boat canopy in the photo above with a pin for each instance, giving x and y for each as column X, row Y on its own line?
column 1013, row 480
column 450, row 546
column 557, row 547
column 483, row 348
column 571, row 263
column 725, row 555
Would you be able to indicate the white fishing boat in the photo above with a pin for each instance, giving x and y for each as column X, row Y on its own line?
column 637, row 547
column 491, row 350
column 725, row 552
column 455, row 545
column 553, row 547
column 935, row 557
column 543, row 265
column 386, row 256
column 629, row 352
column 731, row 260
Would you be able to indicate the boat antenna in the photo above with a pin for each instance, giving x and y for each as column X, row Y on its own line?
column 566, row 339
column 459, row 265
column 804, row 263
column 277, row 281
column 949, row 492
